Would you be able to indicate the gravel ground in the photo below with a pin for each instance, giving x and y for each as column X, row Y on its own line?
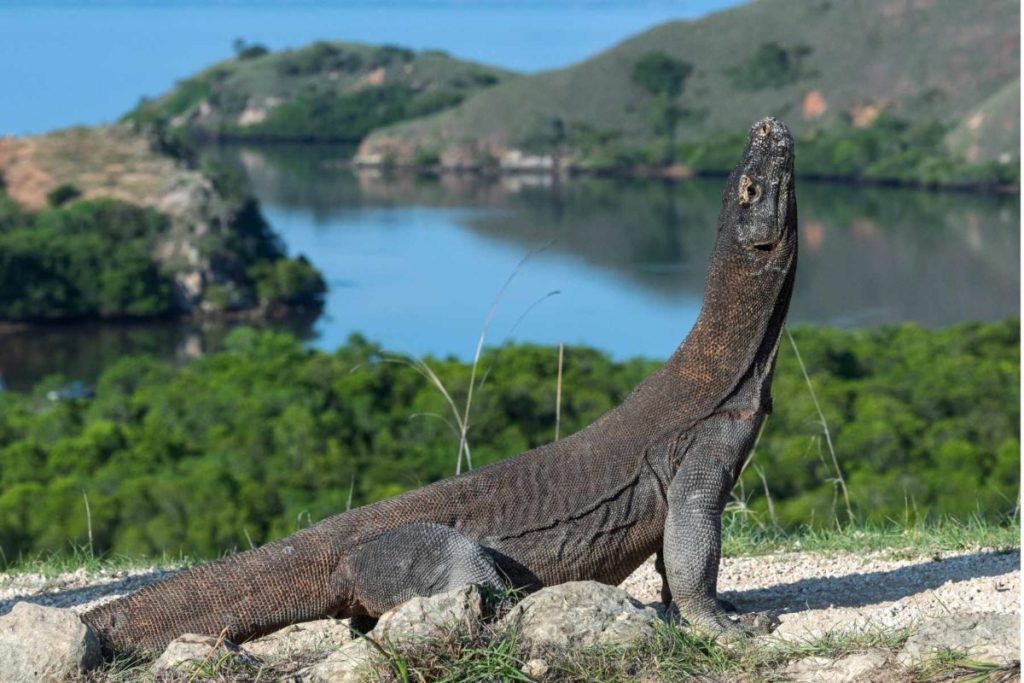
column 813, row 593
column 810, row 593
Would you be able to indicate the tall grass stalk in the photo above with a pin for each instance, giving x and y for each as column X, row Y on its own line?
column 558, row 389
column 464, row 422
column 824, row 428
column 88, row 522
column 460, row 426
column 767, row 496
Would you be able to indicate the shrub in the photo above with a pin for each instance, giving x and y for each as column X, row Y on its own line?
column 294, row 282
column 90, row 258
column 62, row 194
column 771, row 66
column 244, row 50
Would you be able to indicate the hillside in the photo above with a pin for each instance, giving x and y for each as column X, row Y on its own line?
column 907, row 72
column 323, row 92
column 100, row 222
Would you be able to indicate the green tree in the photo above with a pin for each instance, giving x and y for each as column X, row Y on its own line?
column 661, row 74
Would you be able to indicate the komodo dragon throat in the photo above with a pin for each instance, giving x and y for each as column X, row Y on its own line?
column 650, row 476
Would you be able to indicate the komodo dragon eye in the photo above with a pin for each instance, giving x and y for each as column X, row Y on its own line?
column 750, row 191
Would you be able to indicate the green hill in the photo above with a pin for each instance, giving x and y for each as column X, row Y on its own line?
column 879, row 90
column 322, row 92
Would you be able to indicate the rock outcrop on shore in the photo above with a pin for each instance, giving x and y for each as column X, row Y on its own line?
column 216, row 246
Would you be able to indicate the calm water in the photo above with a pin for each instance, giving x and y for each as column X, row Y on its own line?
column 416, row 263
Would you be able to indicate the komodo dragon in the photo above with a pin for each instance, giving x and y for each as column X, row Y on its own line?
column 650, row 476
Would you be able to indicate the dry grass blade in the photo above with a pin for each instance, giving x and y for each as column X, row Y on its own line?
column 768, row 496
column 824, row 428
column 431, row 376
column 216, row 646
column 464, row 423
column 558, row 389
column 88, row 521
column 508, row 336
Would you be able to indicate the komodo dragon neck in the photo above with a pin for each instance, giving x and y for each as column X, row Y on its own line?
column 727, row 359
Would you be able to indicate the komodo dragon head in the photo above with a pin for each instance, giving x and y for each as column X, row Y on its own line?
column 759, row 202
column 750, row 276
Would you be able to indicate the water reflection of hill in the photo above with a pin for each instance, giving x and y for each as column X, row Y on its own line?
column 869, row 255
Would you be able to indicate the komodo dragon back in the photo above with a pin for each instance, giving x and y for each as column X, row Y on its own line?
column 649, row 476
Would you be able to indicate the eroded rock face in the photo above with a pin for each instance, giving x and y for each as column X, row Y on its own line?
column 353, row 663
column 188, row 651
column 582, row 614
column 859, row 666
column 985, row 637
column 416, row 622
column 425, row 618
column 42, row 644
column 310, row 636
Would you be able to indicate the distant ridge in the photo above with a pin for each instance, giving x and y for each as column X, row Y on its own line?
column 324, row 92
column 822, row 65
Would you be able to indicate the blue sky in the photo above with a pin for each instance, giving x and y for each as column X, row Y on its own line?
column 66, row 63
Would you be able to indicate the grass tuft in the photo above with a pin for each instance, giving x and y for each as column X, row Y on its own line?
column 744, row 535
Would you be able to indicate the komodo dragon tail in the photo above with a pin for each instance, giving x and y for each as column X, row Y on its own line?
column 244, row 596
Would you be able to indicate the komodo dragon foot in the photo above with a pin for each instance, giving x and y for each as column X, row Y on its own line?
column 716, row 623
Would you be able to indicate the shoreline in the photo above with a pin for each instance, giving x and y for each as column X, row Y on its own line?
column 672, row 174
column 559, row 169
column 256, row 315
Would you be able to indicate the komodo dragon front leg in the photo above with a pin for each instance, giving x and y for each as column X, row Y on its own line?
column 693, row 528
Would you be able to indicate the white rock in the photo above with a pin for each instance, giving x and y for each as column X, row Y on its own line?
column 424, row 618
column 188, row 651
column 305, row 637
column 353, row 663
column 846, row 669
column 44, row 644
column 985, row 637
column 535, row 668
column 581, row 614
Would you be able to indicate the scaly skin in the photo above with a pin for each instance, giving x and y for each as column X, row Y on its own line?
column 650, row 476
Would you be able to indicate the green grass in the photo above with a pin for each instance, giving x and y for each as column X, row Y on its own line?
column 53, row 565
column 744, row 537
column 672, row 654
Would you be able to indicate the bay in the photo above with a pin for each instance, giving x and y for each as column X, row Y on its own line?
column 422, row 264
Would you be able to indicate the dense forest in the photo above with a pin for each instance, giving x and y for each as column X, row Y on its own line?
column 266, row 436
column 96, row 258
